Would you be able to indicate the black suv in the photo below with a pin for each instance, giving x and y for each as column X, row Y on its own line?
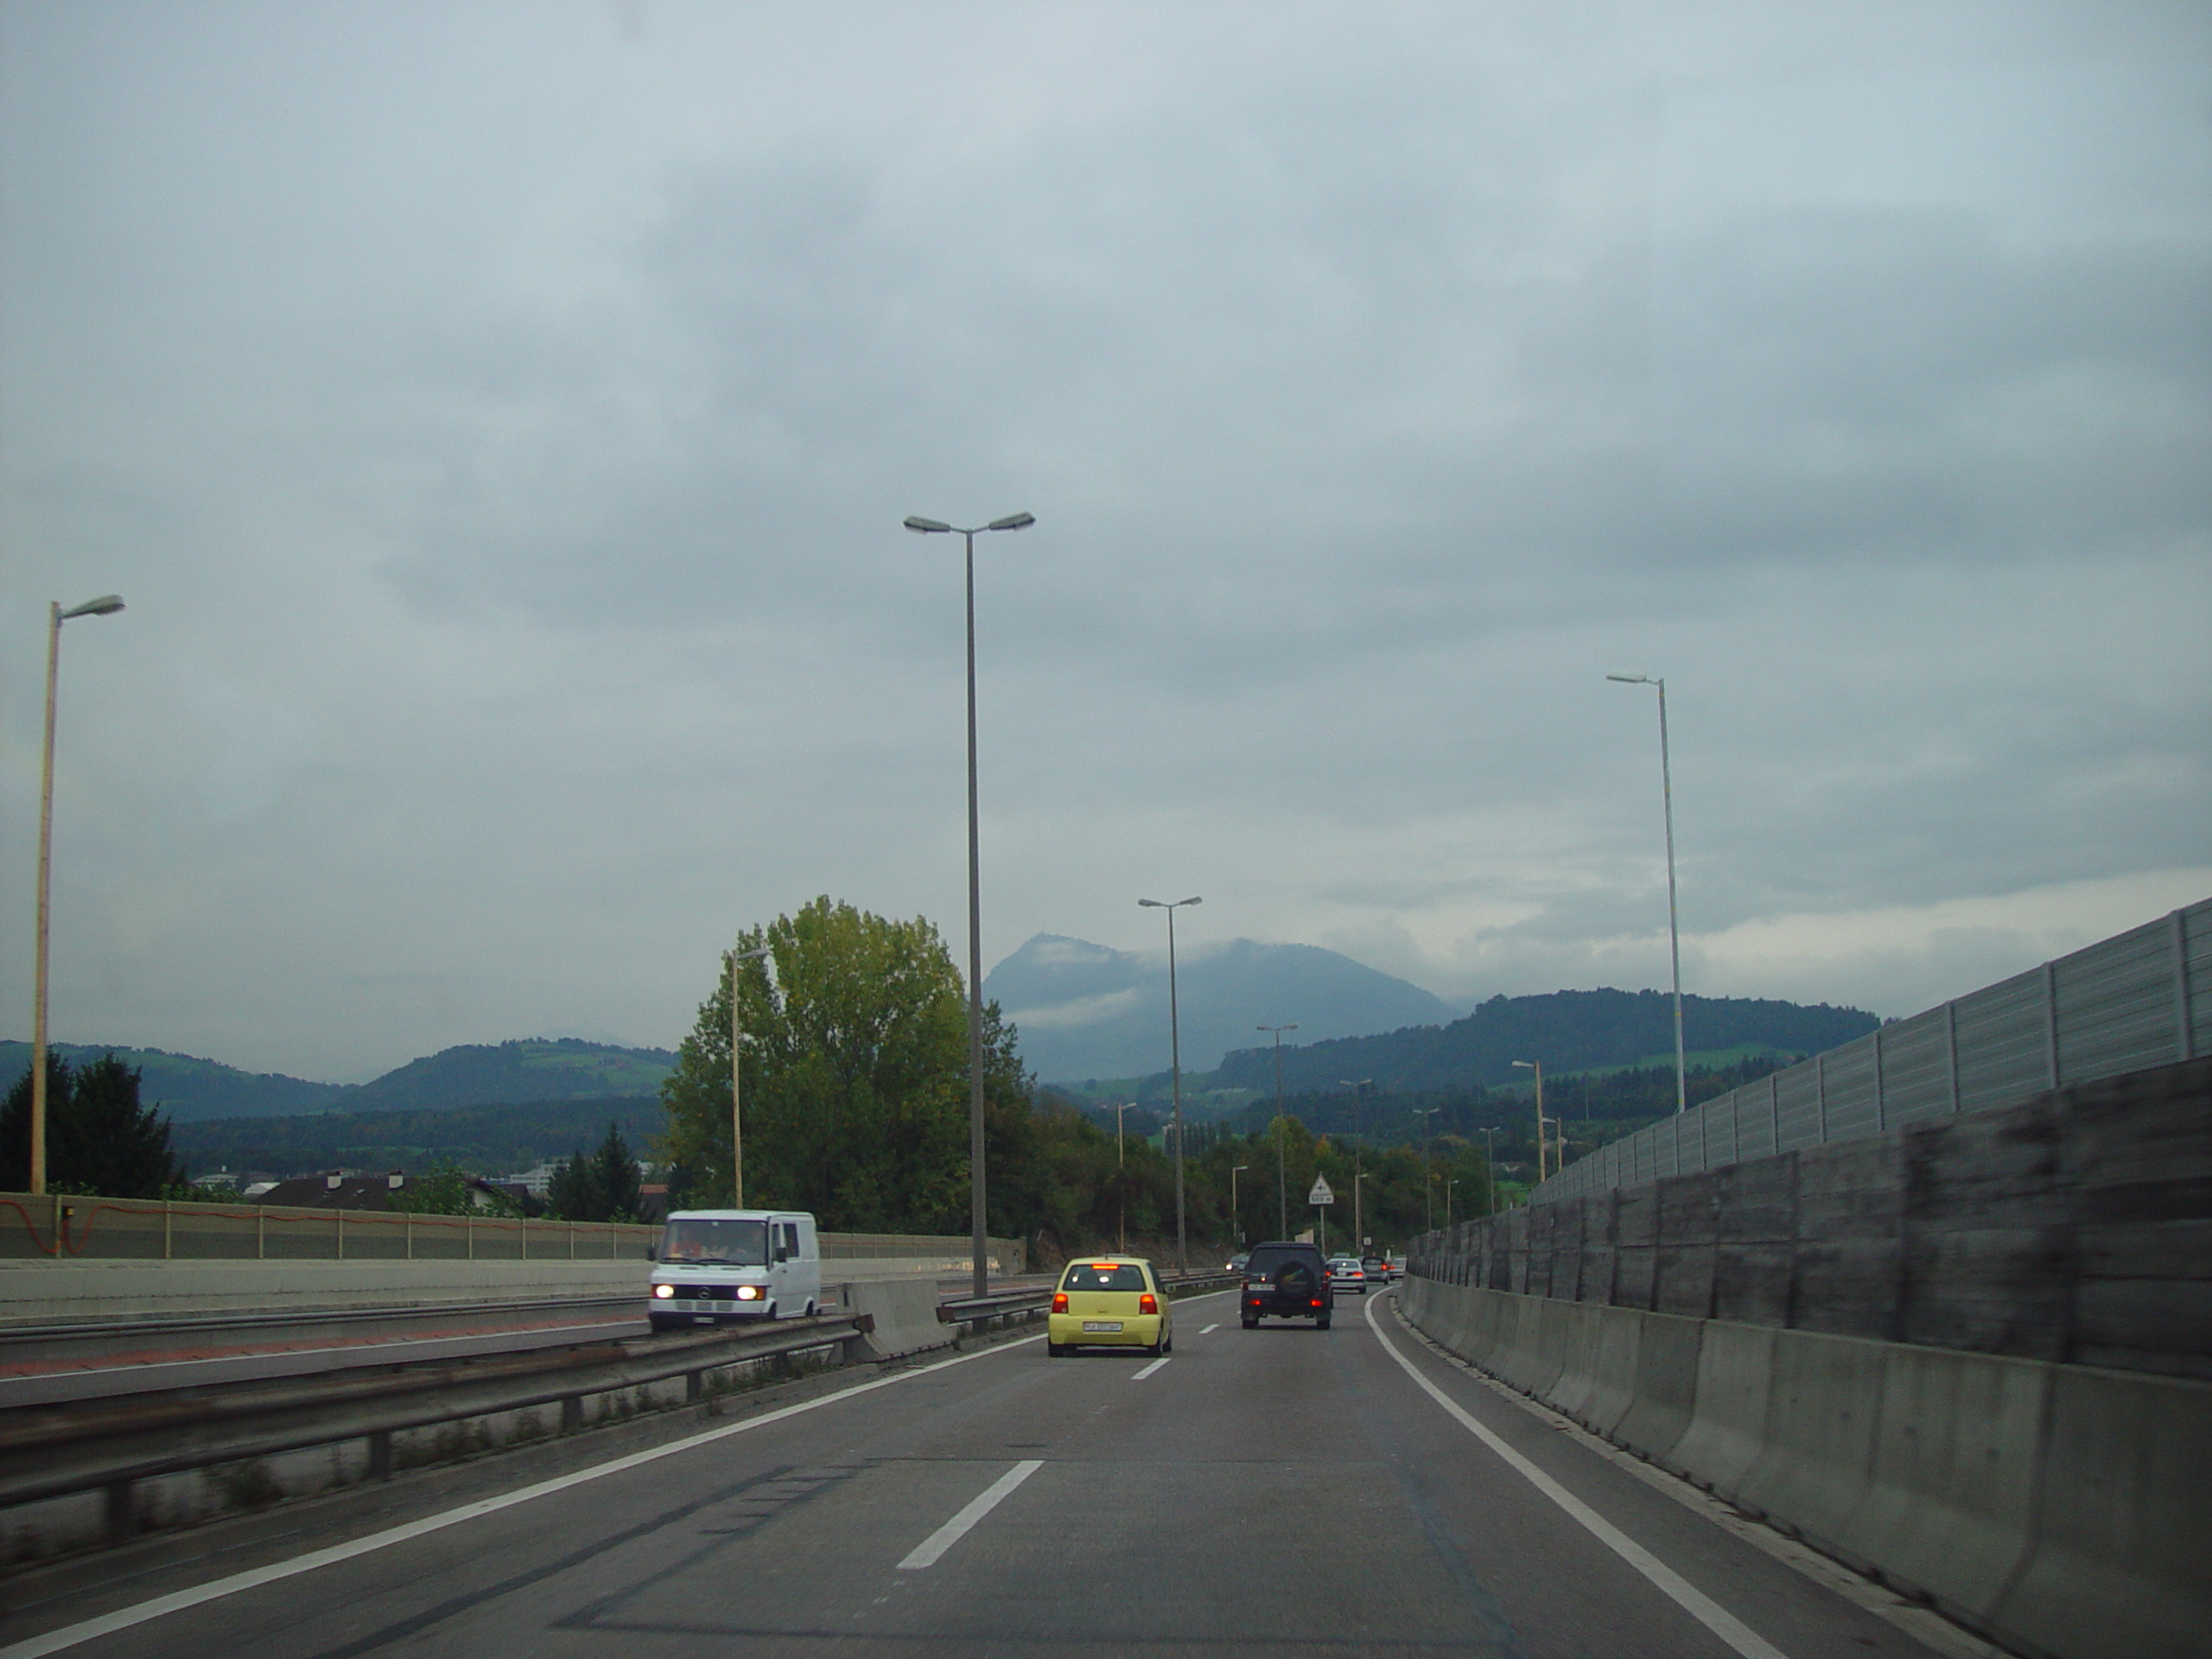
column 1290, row 1282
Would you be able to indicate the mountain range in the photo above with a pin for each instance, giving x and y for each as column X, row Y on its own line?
column 1086, row 1012
column 528, row 1070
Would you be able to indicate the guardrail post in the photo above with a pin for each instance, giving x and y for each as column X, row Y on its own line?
column 572, row 1413
column 381, row 1455
column 168, row 1236
column 122, row 1512
column 695, row 1384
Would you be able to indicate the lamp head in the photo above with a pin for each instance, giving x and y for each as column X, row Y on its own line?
column 1625, row 679
column 1018, row 521
column 1526, row 1065
column 105, row 605
column 927, row 526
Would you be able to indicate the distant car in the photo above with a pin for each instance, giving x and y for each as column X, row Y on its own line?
column 1346, row 1274
column 1397, row 1267
column 1109, row 1301
column 1378, row 1269
column 1285, row 1280
column 1235, row 1263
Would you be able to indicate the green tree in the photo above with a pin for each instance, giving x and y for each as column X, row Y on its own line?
column 601, row 1186
column 449, row 1190
column 855, row 1081
column 99, row 1137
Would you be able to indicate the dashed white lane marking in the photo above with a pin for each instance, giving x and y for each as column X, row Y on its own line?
column 1209, row 1330
column 69, row 1635
column 1149, row 1370
column 926, row 1553
column 1684, row 1595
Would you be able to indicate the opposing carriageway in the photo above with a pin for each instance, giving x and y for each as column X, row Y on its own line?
column 1282, row 1491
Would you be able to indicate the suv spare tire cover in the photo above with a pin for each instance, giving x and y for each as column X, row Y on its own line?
column 1296, row 1276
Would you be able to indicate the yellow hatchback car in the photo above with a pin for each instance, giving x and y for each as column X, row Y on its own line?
column 1109, row 1301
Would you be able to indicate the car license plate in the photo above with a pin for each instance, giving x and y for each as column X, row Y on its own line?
column 1102, row 1325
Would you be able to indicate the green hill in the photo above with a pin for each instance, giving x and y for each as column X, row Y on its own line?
column 531, row 1069
column 1568, row 1031
column 494, row 1139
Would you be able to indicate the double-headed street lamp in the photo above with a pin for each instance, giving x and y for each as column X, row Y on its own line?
column 1175, row 1065
column 1674, row 929
column 105, row 605
column 736, row 1117
column 976, row 1190
column 1282, row 1187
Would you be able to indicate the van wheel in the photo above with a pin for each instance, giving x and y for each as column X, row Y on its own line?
column 811, row 1309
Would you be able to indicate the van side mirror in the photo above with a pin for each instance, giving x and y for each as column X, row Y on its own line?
column 783, row 1253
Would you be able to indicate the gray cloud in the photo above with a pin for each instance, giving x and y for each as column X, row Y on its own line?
column 500, row 425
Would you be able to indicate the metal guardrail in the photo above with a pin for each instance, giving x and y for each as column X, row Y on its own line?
column 2140, row 999
column 62, row 1227
column 186, row 1325
column 966, row 1310
column 57, row 1452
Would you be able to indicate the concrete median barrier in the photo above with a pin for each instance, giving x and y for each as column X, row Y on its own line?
column 2060, row 1509
column 904, row 1310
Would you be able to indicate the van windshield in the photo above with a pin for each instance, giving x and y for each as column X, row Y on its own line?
column 725, row 1243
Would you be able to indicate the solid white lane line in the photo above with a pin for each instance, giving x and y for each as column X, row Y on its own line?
column 1684, row 1595
column 124, row 1618
column 926, row 1553
column 1149, row 1370
column 1209, row 1330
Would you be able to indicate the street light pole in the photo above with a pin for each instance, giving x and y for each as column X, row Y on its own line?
column 736, row 1117
column 1175, row 1064
column 1358, row 1233
column 1537, row 1066
column 1235, row 1215
column 1283, row 1186
column 105, row 605
column 1427, row 1171
column 1674, row 927
column 1121, row 1176
column 1490, row 1170
column 978, row 1241
column 1448, row 1185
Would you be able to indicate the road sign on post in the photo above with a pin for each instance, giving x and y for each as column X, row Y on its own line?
column 1320, row 1194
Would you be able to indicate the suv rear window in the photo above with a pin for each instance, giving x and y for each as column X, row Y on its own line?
column 1267, row 1259
column 1104, row 1275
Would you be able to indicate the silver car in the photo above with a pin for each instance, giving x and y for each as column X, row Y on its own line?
column 1346, row 1274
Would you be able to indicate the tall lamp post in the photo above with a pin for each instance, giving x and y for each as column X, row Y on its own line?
column 1175, row 1064
column 105, row 605
column 1358, row 1089
column 1537, row 1066
column 1121, row 1176
column 1490, row 1170
column 1235, row 1215
column 976, row 1188
column 1674, row 928
column 1448, row 1185
column 1428, row 1170
column 737, row 1117
column 1283, row 1186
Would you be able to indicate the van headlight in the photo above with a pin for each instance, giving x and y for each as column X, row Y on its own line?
column 664, row 1290
column 748, row 1292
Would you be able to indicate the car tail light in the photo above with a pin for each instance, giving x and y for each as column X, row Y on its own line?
column 1147, row 1303
column 1317, row 1301
column 1059, row 1301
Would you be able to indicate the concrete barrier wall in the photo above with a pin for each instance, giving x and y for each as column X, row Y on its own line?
column 2062, row 1509
column 40, row 1293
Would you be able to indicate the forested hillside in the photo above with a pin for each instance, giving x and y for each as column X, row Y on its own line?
column 1568, row 1031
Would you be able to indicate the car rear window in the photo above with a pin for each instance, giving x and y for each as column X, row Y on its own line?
column 1265, row 1263
column 1104, row 1275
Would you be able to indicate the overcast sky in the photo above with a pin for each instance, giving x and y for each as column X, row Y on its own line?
column 498, row 420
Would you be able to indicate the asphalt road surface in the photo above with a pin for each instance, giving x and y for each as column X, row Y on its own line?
column 1275, row 1492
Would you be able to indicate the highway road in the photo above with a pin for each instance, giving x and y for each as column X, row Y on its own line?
column 1277, row 1492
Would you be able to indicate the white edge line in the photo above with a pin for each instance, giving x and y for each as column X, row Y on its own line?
column 925, row 1554
column 123, row 1619
column 1209, row 1330
column 1148, row 1370
column 1684, row 1595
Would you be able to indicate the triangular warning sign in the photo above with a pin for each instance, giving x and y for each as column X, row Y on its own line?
column 1320, row 1194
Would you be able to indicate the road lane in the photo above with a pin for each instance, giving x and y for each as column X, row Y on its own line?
column 1281, row 1491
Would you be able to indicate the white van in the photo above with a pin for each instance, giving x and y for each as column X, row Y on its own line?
column 716, row 1266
